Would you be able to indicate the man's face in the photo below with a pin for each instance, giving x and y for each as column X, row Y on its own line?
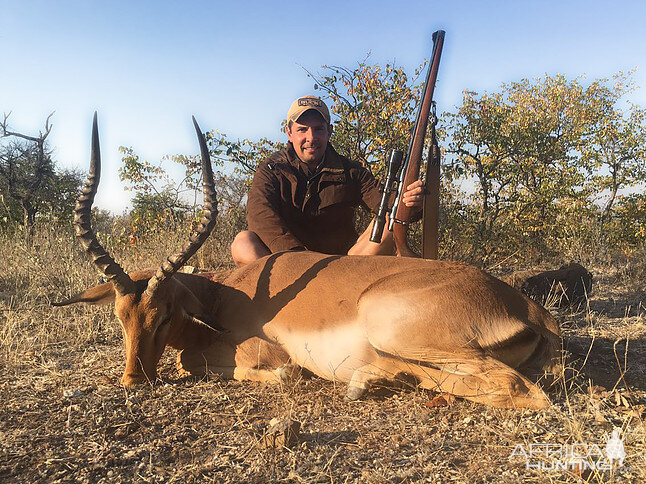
column 309, row 135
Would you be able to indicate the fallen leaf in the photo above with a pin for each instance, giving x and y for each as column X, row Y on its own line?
column 445, row 400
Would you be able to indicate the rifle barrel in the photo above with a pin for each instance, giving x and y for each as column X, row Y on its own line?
column 410, row 172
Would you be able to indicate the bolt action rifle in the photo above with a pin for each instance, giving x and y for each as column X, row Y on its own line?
column 400, row 214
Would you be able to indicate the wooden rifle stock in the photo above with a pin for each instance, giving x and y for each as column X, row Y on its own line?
column 410, row 171
column 431, row 217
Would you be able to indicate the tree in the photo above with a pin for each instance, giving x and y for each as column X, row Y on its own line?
column 520, row 147
column 157, row 195
column 627, row 226
column 30, row 179
column 373, row 109
column 245, row 154
column 616, row 148
column 160, row 200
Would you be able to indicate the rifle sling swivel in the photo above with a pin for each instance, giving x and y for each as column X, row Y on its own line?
column 397, row 221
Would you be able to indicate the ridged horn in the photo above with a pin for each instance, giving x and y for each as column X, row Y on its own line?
column 83, row 227
column 171, row 265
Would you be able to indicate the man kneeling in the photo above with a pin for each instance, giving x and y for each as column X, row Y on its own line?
column 304, row 197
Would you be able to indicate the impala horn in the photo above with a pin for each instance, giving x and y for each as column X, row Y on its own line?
column 83, row 226
column 171, row 265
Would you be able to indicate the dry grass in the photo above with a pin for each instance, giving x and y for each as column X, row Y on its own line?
column 64, row 417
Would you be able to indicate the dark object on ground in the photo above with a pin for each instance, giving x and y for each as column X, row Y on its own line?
column 569, row 285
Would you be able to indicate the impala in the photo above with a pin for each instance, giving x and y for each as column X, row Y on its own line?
column 356, row 319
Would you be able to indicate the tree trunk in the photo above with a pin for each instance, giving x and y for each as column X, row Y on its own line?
column 606, row 211
column 29, row 219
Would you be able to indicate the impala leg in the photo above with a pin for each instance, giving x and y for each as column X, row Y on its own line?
column 378, row 370
column 224, row 372
column 251, row 361
column 241, row 373
column 198, row 364
column 484, row 380
column 218, row 359
column 282, row 374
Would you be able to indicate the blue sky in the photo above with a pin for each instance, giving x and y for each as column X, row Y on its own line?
column 146, row 66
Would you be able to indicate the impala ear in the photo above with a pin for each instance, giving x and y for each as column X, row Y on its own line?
column 101, row 294
column 208, row 322
column 194, row 310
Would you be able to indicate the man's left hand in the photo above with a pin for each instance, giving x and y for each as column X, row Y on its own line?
column 414, row 194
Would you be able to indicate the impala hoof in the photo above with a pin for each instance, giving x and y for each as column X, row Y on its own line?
column 135, row 380
column 132, row 384
column 354, row 393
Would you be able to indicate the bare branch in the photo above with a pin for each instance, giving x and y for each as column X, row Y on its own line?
column 4, row 123
column 40, row 140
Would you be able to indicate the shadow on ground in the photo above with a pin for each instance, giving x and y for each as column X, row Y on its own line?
column 608, row 362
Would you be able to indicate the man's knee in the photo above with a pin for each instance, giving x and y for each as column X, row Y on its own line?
column 364, row 246
column 247, row 247
column 243, row 238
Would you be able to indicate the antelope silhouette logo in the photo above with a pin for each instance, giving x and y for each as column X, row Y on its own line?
column 615, row 448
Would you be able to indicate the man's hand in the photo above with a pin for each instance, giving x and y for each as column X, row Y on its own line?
column 414, row 195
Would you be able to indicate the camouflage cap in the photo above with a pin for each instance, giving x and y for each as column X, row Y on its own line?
column 306, row 103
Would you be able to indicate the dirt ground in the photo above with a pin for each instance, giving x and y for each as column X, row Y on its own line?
column 65, row 418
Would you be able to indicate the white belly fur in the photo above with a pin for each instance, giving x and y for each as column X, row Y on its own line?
column 333, row 353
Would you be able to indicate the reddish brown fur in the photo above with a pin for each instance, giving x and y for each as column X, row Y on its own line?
column 451, row 325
